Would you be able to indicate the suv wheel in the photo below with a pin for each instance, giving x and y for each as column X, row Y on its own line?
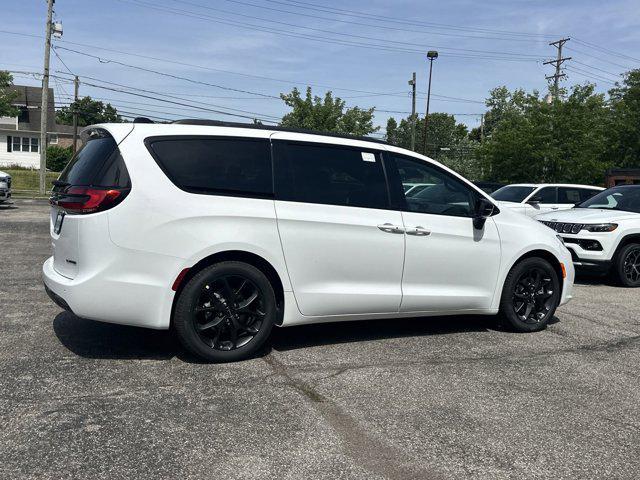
column 530, row 295
column 627, row 265
column 225, row 312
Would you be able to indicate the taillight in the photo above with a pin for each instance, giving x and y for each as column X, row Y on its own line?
column 87, row 199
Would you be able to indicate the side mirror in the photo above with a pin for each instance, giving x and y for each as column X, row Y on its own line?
column 484, row 209
column 534, row 200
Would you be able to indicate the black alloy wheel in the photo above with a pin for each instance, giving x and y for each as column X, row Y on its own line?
column 628, row 265
column 229, row 312
column 533, row 294
column 530, row 295
column 225, row 312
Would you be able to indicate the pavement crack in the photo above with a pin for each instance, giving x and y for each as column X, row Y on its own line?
column 365, row 449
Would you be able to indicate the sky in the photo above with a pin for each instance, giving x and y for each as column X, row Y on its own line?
column 230, row 59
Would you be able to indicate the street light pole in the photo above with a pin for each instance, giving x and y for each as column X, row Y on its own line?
column 431, row 55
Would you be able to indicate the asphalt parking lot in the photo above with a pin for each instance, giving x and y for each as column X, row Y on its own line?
column 405, row 399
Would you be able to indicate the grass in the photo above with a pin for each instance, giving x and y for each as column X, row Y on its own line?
column 27, row 182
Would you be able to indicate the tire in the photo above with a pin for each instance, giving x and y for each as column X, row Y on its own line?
column 626, row 266
column 530, row 295
column 218, row 319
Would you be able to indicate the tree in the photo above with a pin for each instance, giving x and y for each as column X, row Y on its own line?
column 623, row 133
column 531, row 140
column 58, row 157
column 7, row 96
column 89, row 112
column 326, row 114
column 448, row 141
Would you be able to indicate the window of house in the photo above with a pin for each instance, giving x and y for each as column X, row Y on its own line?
column 53, row 139
column 25, row 144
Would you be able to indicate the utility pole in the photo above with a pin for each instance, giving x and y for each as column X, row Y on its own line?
column 76, row 85
column 412, row 82
column 431, row 55
column 558, row 64
column 44, row 111
column 481, row 127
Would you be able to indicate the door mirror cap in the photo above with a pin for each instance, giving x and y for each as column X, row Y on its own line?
column 484, row 209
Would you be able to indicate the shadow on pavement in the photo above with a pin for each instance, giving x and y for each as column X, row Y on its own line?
column 361, row 331
column 91, row 339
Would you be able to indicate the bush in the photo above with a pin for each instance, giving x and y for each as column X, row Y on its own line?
column 58, row 157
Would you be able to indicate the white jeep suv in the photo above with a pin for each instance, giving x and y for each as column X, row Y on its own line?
column 224, row 230
column 534, row 199
column 603, row 233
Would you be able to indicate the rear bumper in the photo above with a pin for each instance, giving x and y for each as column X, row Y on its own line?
column 117, row 294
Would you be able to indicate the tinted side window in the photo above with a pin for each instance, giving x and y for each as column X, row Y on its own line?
column 332, row 175
column 442, row 194
column 90, row 163
column 546, row 195
column 216, row 165
column 568, row 195
column 587, row 193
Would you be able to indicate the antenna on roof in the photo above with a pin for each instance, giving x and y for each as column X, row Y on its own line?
column 142, row 120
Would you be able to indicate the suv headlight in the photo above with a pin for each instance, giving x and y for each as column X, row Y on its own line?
column 601, row 227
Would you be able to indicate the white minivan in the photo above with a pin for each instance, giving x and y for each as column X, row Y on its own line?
column 222, row 231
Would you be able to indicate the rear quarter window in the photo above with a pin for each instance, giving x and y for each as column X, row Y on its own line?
column 99, row 164
column 225, row 166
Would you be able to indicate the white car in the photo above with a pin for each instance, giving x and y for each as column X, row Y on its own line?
column 225, row 230
column 534, row 199
column 603, row 233
column 5, row 187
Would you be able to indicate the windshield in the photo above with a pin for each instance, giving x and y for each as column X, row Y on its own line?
column 512, row 193
column 625, row 198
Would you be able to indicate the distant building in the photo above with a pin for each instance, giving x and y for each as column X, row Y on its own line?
column 20, row 135
column 622, row 176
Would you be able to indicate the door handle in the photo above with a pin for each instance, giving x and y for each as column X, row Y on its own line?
column 418, row 231
column 390, row 228
column 555, row 208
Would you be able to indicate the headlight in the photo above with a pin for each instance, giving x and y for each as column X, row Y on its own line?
column 601, row 227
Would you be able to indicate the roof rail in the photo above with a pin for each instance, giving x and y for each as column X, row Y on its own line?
column 142, row 120
column 219, row 123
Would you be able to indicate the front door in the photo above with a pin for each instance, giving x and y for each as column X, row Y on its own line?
column 342, row 243
column 449, row 265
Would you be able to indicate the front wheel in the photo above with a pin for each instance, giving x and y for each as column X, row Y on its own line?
column 225, row 312
column 627, row 265
column 530, row 295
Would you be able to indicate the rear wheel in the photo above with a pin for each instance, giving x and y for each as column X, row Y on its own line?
column 225, row 312
column 627, row 265
column 530, row 295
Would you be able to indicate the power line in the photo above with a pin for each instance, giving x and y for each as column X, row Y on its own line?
column 505, row 56
column 385, row 27
column 607, row 50
column 378, row 39
column 596, row 68
column 599, row 58
column 352, row 13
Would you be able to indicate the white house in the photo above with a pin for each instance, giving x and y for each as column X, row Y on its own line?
column 20, row 135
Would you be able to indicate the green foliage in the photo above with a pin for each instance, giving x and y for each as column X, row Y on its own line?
column 7, row 96
column 623, row 133
column 447, row 141
column 326, row 114
column 531, row 140
column 58, row 157
column 89, row 112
